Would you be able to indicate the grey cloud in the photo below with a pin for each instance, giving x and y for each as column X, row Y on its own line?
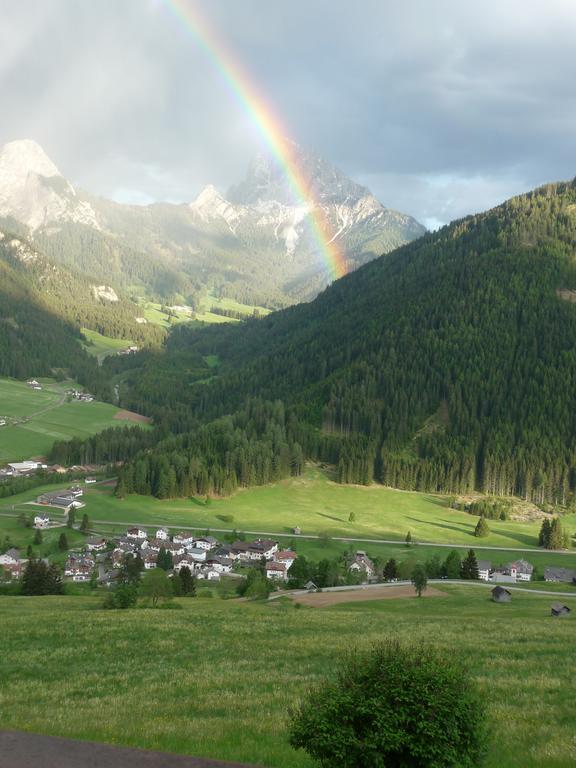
column 441, row 108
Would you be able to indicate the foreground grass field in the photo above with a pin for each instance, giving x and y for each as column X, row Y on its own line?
column 217, row 677
column 320, row 506
column 46, row 416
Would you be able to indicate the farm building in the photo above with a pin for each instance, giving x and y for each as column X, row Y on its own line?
column 501, row 595
column 65, row 500
column 41, row 521
column 567, row 575
column 558, row 610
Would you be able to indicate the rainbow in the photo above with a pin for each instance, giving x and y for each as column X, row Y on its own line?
column 267, row 125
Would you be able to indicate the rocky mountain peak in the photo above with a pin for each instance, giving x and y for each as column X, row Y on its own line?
column 19, row 158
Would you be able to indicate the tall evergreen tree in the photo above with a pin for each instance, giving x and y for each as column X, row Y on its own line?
column 482, row 530
column 469, row 568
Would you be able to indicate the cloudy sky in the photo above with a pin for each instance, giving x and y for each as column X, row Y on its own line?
column 442, row 108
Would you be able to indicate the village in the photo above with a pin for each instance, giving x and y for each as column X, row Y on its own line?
column 101, row 558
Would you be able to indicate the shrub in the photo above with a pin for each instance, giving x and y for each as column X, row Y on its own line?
column 395, row 706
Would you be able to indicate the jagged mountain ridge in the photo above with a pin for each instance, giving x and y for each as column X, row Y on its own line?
column 254, row 245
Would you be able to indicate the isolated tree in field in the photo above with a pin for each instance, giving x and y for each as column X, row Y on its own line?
column 187, row 582
column 408, row 539
column 85, row 524
column 470, row 566
column 390, row 570
column 352, row 517
column 419, row 579
column 156, row 585
column 482, row 528
column 452, row 565
column 62, row 542
column 37, row 540
column 395, row 706
column 71, row 518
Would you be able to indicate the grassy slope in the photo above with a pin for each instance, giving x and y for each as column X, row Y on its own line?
column 103, row 346
column 217, row 678
column 62, row 422
column 321, row 506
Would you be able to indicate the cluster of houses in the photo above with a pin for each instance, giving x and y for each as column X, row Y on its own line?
column 84, row 397
column 205, row 556
column 11, row 563
column 510, row 573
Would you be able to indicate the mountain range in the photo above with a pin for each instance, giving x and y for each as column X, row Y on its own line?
column 252, row 245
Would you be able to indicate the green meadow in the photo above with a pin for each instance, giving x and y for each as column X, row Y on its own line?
column 102, row 346
column 322, row 507
column 44, row 417
column 217, row 678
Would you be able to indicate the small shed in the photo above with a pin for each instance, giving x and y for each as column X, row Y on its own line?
column 558, row 609
column 310, row 586
column 501, row 595
column 296, row 531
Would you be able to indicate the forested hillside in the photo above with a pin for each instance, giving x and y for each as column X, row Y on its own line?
column 449, row 365
column 43, row 307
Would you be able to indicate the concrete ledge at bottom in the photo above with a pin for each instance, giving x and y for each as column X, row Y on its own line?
column 30, row 750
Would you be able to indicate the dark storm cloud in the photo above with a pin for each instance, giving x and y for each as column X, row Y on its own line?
column 441, row 108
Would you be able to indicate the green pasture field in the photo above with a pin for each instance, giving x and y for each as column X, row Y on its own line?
column 217, row 678
column 154, row 314
column 102, row 346
column 48, row 417
column 320, row 506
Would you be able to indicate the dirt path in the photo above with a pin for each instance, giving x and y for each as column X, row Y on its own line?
column 30, row 750
column 131, row 416
column 325, row 599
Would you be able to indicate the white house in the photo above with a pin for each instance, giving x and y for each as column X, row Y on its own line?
column 185, row 561
column 362, row 564
column 89, row 480
column 263, row 548
column 220, row 564
column 136, row 533
column 162, row 533
column 197, row 554
column 10, row 557
column 150, row 560
column 79, row 568
column 484, row 568
column 209, row 574
column 41, row 521
column 285, row 556
column 95, row 544
column 205, row 542
column 276, row 571
column 183, row 538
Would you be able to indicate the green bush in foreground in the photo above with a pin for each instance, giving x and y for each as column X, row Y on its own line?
column 395, row 706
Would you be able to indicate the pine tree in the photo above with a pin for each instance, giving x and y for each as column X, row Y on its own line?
column 37, row 540
column 352, row 517
column 187, row 582
column 482, row 528
column 452, row 565
column 556, row 539
column 390, row 570
column 408, row 539
column 544, row 535
column 469, row 569
column 62, row 543
column 85, row 524
column 165, row 561
column 71, row 518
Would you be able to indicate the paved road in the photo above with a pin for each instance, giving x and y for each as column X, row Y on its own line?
column 547, row 593
column 30, row 750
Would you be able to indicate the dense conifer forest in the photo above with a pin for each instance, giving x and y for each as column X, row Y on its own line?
column 448, row 365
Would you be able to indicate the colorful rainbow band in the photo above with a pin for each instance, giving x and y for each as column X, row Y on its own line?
column 267, row 125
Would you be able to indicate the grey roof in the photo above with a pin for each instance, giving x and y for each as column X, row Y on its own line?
column 560, row 607
column 559, row 574
column 500, row 591
column 484, row 565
